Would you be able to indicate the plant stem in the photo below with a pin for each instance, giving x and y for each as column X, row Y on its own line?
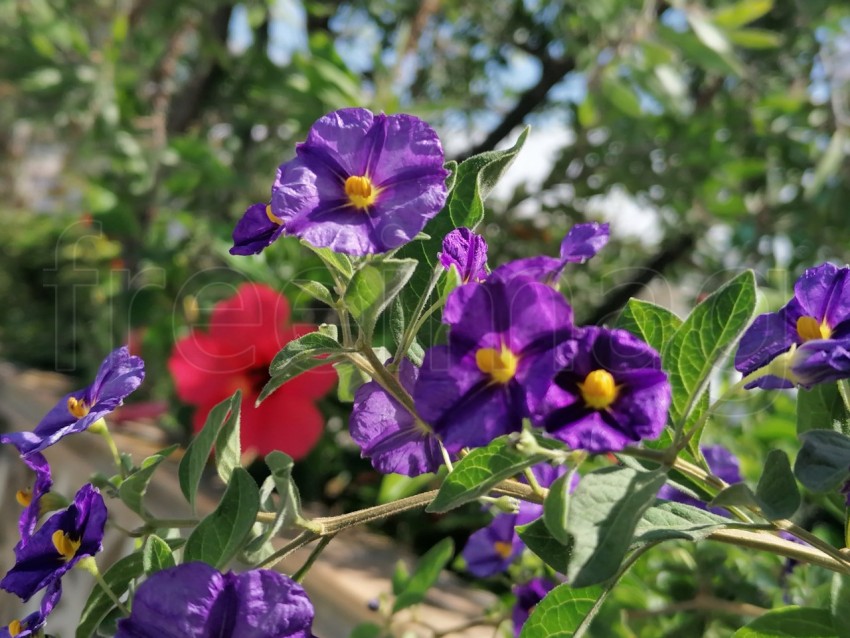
column 100, row 428
column 844, row 391
column 317, row 550
column 299, row 541
column 413, row 327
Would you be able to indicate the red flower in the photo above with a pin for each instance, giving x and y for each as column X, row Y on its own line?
column 246, row 332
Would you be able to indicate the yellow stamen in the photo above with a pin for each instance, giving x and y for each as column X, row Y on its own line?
column 65, row 545
column 499, row 364
column 599, row 390
column 503, row 549
column 24, row 497
column 808, row 328
column 77, row 407
column 274, row 219
column 15, row 627
column 360, row 191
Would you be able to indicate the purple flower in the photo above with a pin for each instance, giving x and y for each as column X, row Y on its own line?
column 389, row 434
column 257, row 229
column 527, row 596
column 581, row 243
column 807, row 341
column 501, row 336
column 118, row 376
column 361, row 183
column 32, row 623
column 722, row 464
column 467, row 252
column 491, row 549
column 610, row 391
column 30, row 499
column 195, row 600
column 58, row 545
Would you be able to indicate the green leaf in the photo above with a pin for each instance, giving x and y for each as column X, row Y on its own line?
column 604, row 512
column 823, row 463
column 692, row 46
column 427, row 571
column 195, row 460
column 561, row 613
column 316, row 291
column 367, row 630
column 653, row 324
column 228, row 446
column 401, row 574
column 287, row 507
column 777, row 491
column 668, row 520
column 220, row 535
column 556, row 506
column 839, row 604
column 398, row 486
column 755, row 38
column 133, row 488
column 790, row 622
column 156, row 555
column 539, row 540
column 335, row 261
column 298, row 356
column 617, row 92
column 741, row 13
column 821, row 408
column 704, row 339
column 350, row 378
column 481, row 470
column 374, row 286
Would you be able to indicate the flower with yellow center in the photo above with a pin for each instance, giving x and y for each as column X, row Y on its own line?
column 361, row 192
column 500, row 364
column 503, row 549
column 65, row 545
column 808, row 328
column 599, row 389
column 78, row 407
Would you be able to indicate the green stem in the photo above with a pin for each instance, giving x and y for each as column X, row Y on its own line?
column 298, row 542
column 172, row 522
column 413, row 327
column 844, row 391
column 317, row 550
column 100, row 428
column 88, row 563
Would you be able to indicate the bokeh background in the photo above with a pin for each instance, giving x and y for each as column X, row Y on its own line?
column 713, row 135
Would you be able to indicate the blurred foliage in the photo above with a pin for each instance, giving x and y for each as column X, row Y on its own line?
column 133, row 134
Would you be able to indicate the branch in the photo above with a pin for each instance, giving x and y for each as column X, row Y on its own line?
column 554, row 71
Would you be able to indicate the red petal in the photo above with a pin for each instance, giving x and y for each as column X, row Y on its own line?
column 291, row 425
column 203, row 371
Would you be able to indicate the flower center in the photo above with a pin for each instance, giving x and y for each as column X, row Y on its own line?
column 77, row 407
column 66, row 546
column 598, row 390
column 360, row 191
column 274, row 219
column 24, row 497
column 15, row 627
column 499, row 364
column 808, row 328
column 503, row 549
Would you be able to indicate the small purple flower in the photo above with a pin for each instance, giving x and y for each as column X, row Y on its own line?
column 58, row 545
column 257, row 229
column 30, row 499
column 118, row 376
column 610, row 391
column 32, row 623
column 527, row 596
column 491, row 549
column 195, row 600
column 389, row 434
column 581, row 243
column 808, row 340
column 501, row 336
column 467, row 252
column 362, row 183
column 722, row 464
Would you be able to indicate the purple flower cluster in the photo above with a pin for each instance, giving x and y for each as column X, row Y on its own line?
column 360, row 184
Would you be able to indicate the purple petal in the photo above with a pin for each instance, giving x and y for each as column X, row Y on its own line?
column 770, row 335
column 468, row 252
column 486, row 552
column 528, row 596
column 722, row 463
column 821, row 361
column 543, row 269
column 583, row 241
column 255, row 231
column 271, row 604
column 43, row 482
column 824, row 293
column 388, row 434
